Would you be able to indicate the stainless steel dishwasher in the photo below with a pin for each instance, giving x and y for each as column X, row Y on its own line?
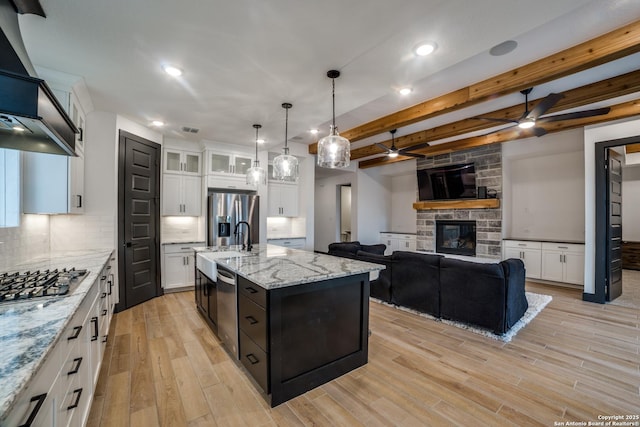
column 227, row 310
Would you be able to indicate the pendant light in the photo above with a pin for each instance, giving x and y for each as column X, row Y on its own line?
column 285, row 166
column 334, row 151
column 256, row 175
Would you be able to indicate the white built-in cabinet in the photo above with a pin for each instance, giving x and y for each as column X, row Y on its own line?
column 398, row 242
column 552, row 261
column 283, row 199
column 181, row 183
column 54, row 184
column 563, row 262
column 529, row 252
column 61, row 392
column 227, row 170
column 178, row 265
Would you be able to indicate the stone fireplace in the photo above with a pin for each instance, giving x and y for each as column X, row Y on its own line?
column 488, row 221
column 456, row 237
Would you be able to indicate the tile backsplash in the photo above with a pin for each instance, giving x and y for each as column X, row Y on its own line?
column 29, row 240
column 282, row 228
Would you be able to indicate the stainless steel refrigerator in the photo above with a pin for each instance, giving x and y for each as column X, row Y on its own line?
column 225, row 211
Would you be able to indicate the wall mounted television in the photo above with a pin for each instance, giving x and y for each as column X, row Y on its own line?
column 447, row 182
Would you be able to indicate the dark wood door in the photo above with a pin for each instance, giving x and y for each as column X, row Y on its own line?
column 614, row 229
column 138, row 220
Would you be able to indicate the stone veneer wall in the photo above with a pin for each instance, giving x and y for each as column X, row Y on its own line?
column 488, row 166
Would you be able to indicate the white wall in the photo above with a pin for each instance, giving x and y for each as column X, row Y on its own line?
column 543, row 187
column 345, row 209
column 371, row 205
column 592, row 135
column 631, row 203
column 404, row 190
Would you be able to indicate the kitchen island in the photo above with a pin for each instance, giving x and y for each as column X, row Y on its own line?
column 302, row 317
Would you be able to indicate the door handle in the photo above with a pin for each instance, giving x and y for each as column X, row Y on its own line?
column 128, row 244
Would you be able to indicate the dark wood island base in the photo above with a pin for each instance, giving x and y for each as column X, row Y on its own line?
column 295, row 338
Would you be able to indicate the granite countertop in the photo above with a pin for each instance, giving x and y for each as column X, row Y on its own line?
column 271, row 266
column 30, row 328
column 531, row 239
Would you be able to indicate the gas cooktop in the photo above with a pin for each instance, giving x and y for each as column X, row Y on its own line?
column 34, row 284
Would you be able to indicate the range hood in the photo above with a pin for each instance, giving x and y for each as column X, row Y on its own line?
column 31, row 119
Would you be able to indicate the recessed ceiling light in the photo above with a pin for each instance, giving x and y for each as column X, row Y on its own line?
column 313, row 131
column 172, row 71
column 405, row 91
column 425, row 48
column 157, row 123
column 18, row 128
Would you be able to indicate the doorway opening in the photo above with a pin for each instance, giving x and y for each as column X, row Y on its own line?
column 615, row 159
column 344, row 222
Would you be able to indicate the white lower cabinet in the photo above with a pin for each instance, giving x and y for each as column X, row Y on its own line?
column 61, row 392
column 398, row 242
column 295, row 243
column 529, row 252
column 563, row 263
column 178, row 265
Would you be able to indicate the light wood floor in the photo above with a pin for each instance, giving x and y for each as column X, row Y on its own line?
column 574, row 361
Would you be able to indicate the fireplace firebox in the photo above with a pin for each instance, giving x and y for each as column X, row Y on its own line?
column 456, row 237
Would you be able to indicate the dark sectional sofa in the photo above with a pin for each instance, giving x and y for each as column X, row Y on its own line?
column 488, row 295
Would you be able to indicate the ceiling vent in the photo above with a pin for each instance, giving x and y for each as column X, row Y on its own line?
column 188, row 129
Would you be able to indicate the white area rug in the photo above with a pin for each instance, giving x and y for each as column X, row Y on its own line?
column 536, row 303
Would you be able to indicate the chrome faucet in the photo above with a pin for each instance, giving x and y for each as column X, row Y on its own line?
column 248, row 246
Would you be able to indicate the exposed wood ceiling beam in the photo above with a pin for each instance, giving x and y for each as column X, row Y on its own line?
column 618, row 111
column 632, row 148
column 584, row 95
column 608, row 47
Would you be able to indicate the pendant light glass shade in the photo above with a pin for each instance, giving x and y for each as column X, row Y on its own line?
column 256, row 175
column 285, row 166
column 334, row 151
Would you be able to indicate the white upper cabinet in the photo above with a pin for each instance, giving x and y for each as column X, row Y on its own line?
column 283, row 199
column 54, row 184
column 182, row 162
column 222, row 162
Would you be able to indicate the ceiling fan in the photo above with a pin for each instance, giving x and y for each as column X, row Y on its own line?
column 530, row 119
column 395, row 152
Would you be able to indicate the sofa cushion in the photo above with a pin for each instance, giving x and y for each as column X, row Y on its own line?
column 344, row 249
column 473, row 293
column 374, row 249
column 416, row 281
column 380, row 287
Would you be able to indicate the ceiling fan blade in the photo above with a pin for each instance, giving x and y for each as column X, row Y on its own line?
column 493, row 119
column 544, row 105
column 500, row 130
column 575, row 115
column 384, row 147
column 413, row 147
column 417, row 156
column 538, row 131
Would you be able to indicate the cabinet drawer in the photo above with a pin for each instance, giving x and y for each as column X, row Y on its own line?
column 255, row 360
column 252, row 320
column 186, row 248
column 522, row 244
column 254, row 292
column 563, row 247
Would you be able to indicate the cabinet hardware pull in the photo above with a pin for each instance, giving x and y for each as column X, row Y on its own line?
column 104, row 312
column 563, row 247
column 78, row 393
column 252, row 320
column 34, row 412
column 522, row 244
column 76, row 368
column 104, row 339
column 103, row 295
column 79, row 202
column 110, row 283
column 560, row 257
column 251, row 290
column 251, row 358
column 94, row 320
column 76, row 333
column 108, row 267
column 103, row 278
